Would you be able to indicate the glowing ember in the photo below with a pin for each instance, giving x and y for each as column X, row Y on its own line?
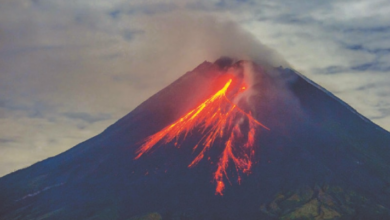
column 215, row 117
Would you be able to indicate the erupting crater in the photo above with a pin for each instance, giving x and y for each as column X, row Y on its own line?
column 218, row 117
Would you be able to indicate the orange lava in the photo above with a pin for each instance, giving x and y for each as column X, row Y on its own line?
column 215, row 117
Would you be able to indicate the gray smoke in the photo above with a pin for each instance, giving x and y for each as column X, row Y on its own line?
column 186, row 39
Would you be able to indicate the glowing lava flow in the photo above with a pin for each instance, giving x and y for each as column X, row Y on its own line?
column 214, row 117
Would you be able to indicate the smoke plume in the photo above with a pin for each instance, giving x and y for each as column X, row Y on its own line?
column 184, row 40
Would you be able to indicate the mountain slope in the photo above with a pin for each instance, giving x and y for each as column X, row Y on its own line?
column 320, row 159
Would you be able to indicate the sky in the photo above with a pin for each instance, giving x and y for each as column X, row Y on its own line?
column 69, row 69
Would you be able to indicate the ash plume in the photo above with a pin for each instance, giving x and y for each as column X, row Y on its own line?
column 186, row 39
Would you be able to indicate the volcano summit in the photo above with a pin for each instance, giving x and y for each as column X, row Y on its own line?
column 228, row 140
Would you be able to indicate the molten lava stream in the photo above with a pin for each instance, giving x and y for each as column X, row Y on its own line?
column 214, row 116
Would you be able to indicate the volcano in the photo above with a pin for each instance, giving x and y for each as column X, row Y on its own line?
column 229, row 140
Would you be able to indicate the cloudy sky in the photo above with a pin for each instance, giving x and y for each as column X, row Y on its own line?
column 69, row 69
